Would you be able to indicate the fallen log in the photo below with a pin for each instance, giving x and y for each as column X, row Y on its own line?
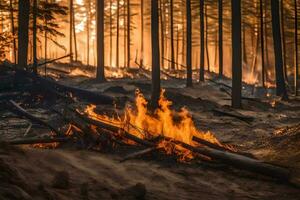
column 139, row 153
column 37, row 141
column 217, row 147
column 234, row 114
column 22, row 112
column 54, row 60
column 90, row 96
column 242, row 162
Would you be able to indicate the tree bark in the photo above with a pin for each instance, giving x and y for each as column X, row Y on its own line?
column 100, row 40
column 128, row 32
column 280, row 83
column 23, row 27
column 189, row 82
column 172, row 35
column 110, row 33
column 262, row 44
column 296, row 73
column 206, row 39
column 142, row 34
column 220, row 38
column 118, row 32
column 88, row 21
column 71, row 30
column 236, row 99
column 12, row 21
column 201, row 40
column 284, row 58
column 155, row 54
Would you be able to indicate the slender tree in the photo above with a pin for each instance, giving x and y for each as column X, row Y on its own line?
column 128, row 32
column 100, row 40
column 206, row 39
column 110, row 33
column 34, row 37
column 118, row 34
column 71, row 30
column 220, row 38
column 189, row 82
column 262, row 44
column 23, row 24
column 284, row 58
column 155, row 54
column 280, row 83
column 236, row 99
column 172, row 36
column 88, row 21
column 12, row 21
column 296, row 73
column 201, row 40
column 142, row 34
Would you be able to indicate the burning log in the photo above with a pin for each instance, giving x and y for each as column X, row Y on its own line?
column 22, row 112
column 38, row 141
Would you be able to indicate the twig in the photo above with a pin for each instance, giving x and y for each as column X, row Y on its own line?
column 139, row 153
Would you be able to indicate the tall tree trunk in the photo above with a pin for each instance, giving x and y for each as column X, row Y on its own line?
column 220, row 38
column 23, row 26
column 155, row 54
column 262, row 44
column 75, row 38
column 34, row 38
column 284, row 60
column 236, row 99
column 88, row 21
column 128, row 32
column 71, row 30
column 110, row 33
column 266, row 43
column 183, row 35
column 172, row 36
column 296, row 73
column 142, row 34
column 280, row 83
column 162, row 32
column 100, row 40
column 12, row 21
column 125, row 31
column 201, row 40
column 46, row 45
column 177, row 47
column 118, row 32
column 206, row 39
column 189, row 81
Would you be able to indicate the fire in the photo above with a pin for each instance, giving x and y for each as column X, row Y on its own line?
column 164, row 122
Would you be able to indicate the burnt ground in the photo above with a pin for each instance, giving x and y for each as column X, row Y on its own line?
column 71, row 172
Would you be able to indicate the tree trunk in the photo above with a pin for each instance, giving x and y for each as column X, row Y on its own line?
column 189, row 81
column 71, row 30
column 46, row 46
column 172, row 35
column 220, row 38
column 110, row 33
column 100, row 40
column 162, row 32
column 262, row 46
column 284, row 60
column 296, row 73
column 142, row 34
column 118, row 32
column 74, row 33
column 12, row 21
column 201, row 40
column 236, row 99
column 155, row 54
column 128, row 32
column 88, row 21
column 34, row 38
column 280, row 83
column 206, row 39
column 177, row 47
column 23, row 27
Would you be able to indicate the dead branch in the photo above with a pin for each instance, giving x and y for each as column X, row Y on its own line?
column 234, row 114
column 37, row 141
column 54, row 60
column 139, row 153
column 22, row 112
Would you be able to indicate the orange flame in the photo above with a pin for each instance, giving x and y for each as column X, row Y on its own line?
column 177, row 126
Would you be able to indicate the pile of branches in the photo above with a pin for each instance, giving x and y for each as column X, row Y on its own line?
column 100, row 134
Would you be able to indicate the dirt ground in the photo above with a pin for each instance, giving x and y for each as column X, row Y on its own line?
column 71, row 173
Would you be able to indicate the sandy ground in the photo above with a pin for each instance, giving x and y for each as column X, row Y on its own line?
column 31, row 173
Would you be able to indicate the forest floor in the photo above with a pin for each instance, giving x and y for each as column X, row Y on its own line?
column 29, row 172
